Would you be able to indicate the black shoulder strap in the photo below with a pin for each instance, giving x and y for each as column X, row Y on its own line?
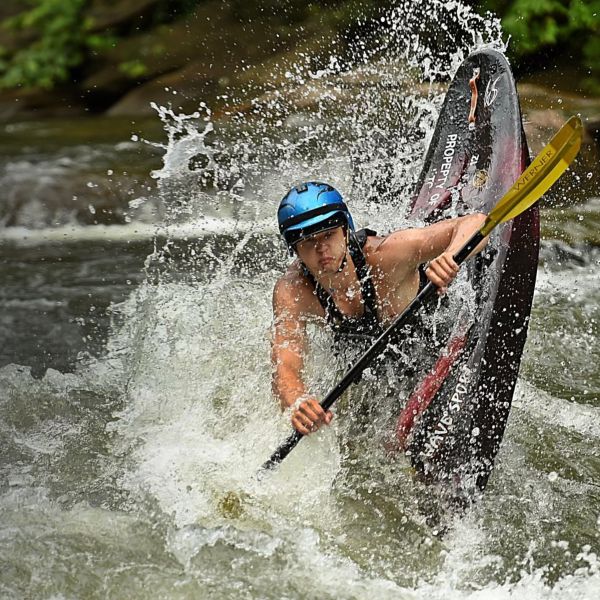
column 362, row 269
column 361, row 236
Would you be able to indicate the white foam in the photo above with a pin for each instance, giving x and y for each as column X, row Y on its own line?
column 545, row 408
column 134, row 232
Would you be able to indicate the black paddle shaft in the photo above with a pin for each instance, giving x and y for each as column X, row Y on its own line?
column 379, row 345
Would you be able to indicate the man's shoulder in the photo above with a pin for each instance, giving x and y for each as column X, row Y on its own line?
column 396, row 250
column 293, row 276
column 382, row 245
column 292, row 286
column 293, row 296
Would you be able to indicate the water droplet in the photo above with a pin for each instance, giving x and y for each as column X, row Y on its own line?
column 553, row 476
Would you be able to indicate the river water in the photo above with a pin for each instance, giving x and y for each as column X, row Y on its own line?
column 138, row 261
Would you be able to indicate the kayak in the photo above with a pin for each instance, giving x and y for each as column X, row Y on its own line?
column 454, row 420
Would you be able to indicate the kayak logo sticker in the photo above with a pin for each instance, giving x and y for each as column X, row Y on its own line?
column 491, row 92
column 439, row 177
column 534, row 168
column 445, row 424
column 480, row 179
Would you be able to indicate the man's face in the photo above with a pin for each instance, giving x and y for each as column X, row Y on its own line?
column 323, row 252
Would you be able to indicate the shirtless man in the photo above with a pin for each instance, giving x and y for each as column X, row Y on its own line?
column 356, row 281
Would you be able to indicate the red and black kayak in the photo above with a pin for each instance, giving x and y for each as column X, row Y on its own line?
column 455, row 418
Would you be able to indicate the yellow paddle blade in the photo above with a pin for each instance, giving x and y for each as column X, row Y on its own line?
column 543, row 172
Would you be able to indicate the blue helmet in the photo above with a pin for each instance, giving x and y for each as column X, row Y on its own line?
column 310, row 208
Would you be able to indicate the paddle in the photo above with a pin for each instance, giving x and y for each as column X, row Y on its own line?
column 543, row 172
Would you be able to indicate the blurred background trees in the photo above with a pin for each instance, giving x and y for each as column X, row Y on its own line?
column 98, row 51
column 547, row 32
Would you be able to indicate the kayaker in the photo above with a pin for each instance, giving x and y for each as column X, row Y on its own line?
column 355, row 281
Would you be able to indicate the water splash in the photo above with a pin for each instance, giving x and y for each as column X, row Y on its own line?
column 184, row 398
column 361, row 122
column 198, row 413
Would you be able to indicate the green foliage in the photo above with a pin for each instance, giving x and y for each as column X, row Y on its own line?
column 58, row 39
column 591, row 52
column 134, row 69
column 58, row 46
column 535, row 25
column 62, row 39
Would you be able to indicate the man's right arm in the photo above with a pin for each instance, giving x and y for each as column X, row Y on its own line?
column 287, row 356
column 287, row 348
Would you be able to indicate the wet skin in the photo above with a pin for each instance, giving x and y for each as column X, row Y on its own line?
column 394, row 262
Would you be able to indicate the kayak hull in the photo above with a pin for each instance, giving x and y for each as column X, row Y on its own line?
column 453, row 423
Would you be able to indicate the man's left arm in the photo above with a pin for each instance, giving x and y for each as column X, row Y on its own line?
column 436, row 244
column 442, row 267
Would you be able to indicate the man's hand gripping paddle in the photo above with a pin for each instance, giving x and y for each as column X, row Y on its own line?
column 543, row 172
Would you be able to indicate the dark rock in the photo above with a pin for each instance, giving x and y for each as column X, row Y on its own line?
column 12, row 39
column 197, row 58
column 204, row 79
column 106, row 14
column 40, row 103
column 592, row 126
column 544, row 112
column 8, row 8
column 553, row 251
column 183, row 88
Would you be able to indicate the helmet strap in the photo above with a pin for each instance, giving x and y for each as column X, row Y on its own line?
column 345, row 259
